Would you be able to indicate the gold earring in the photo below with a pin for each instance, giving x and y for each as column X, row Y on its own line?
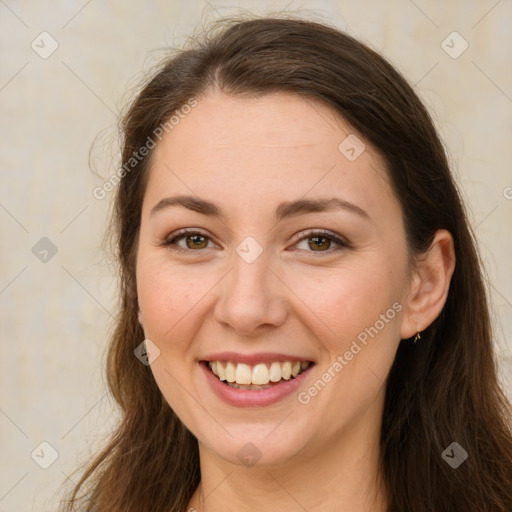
column 417, row 337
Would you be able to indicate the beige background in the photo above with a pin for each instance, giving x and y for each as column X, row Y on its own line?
column 56, row 315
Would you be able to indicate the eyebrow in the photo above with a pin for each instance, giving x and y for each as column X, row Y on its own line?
column 284, row 210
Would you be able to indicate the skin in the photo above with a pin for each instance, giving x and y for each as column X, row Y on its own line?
column 247, row 155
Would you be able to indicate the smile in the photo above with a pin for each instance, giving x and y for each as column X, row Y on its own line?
column 258, row 376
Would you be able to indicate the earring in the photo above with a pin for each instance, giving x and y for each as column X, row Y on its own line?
column 417, row 337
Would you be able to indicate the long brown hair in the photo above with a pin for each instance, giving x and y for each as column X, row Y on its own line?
column 439, row 391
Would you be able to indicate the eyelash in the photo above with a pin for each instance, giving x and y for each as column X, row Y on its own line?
column 183, row 233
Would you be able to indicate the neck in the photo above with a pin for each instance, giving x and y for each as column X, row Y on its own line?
column 341, row 475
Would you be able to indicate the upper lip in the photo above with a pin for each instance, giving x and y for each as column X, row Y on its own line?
column 251, row 359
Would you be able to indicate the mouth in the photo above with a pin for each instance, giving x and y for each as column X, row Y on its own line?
column 258, row 376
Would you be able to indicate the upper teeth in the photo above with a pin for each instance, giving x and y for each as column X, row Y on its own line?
column 259, row 374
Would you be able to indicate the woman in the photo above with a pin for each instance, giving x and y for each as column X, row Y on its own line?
column 304, row 323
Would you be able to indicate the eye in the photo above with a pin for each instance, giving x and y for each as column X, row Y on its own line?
column 322, row 239
column 194, row 239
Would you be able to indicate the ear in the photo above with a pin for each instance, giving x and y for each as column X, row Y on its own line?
column 429, row 285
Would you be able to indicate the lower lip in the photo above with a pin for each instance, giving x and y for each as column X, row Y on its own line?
column 250, row 397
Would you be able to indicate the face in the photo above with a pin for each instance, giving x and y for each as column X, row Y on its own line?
column 261, row 286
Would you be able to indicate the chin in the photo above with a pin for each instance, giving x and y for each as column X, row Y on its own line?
column 256, row 444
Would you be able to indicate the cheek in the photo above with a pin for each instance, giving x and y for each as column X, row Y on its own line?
column 342, row 302
column 170, row 302
column 174, row 302
column 354, row 314
column 167, row 295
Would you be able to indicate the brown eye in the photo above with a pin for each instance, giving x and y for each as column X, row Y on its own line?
column 322, row 241
column 194, row 240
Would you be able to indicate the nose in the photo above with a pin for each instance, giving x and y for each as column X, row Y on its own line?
column 252, row 297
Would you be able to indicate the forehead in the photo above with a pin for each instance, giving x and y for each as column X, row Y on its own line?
column 276, row 121
column 275, row 147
